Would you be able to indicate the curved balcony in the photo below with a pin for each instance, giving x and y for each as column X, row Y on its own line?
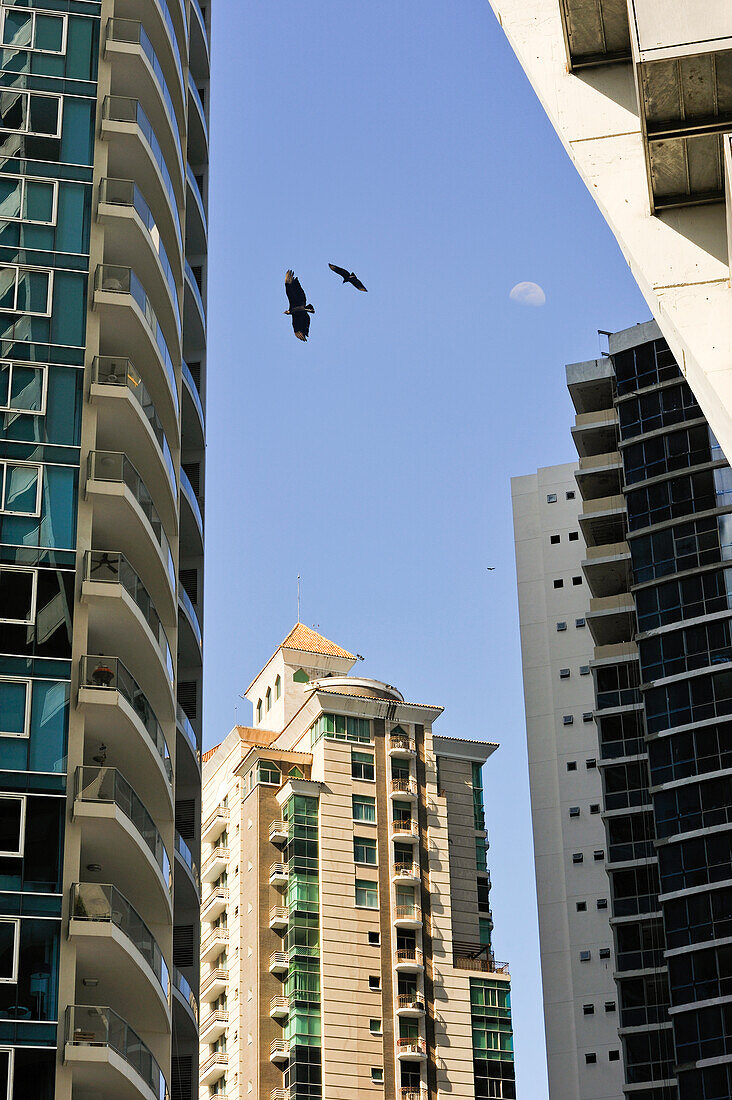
column 193, row 416
column 137, row 71
column 165, row 35
column 186, row 1000
column 410, row 1004
column 103, row 924
column 216, row 942
column 214, row 1025
column 405, row 872
column 402, row 747
column 134, row 151
column 408, row 959
column 127, row 317
column 122, row 616
column 194, row 310
column 108, row 1057
column 190, row 635
column 187, row 776
column 189, row 496
column 196, row 217
column 408, row 916
column 127, row 418
column 134, row 238
column 197, row 125
column 405, row 829
column 199, row 46
column 124, row 723
column 184, row 859
column 405, row 789
column 125, row 516
column 411, row 1050
column 123, row 841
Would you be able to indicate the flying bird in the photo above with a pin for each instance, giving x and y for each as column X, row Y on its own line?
column 348, row 277
column 299, row 307
column 491, row 568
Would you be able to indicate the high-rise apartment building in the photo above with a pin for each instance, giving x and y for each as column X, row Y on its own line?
column 656, row 505
column 639, row 93
column 347, row 932
column 102, row 263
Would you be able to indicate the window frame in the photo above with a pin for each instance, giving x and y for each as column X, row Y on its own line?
column 367, row 799
column 24, row 180
column 15, row 921
column 37, row 466
column 363, row 764
column 380, row 1026
column 278, row 687
column 376, row 1080
column 369, row 887
column 43, row 368
column 36, row 133
column 11, row 1070
column 365, row 842
column 18, row 268
column 21, row 839
column 34, row 12
column 34, row 594
column 26, row 720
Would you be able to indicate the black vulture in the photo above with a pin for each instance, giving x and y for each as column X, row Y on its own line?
column 299, row 308
column 348, row 277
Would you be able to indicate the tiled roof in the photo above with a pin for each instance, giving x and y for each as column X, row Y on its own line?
column 209, row 753
column 309, row 641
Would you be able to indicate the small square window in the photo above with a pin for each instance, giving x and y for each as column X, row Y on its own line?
column 591, row 762
column 609, row 1006
column 587, row 716
column 577, row 857
column 375, row 1027
column 571, row 765
column 613, row 1056
column 567, row 720
column 559, row 583
column 581, row 906
column 561, row 626
column 598, row 855
column 594, row 807
column 375, row 982
column 585, row 956
column 377, row 1075
column 374, row 939
column 564, row 674
column 602, row 903
column 551, row 498
column 570, row 494
column 579, row 622
column 573, row 536
column 588, row 1010
column 590, row 1059
column 574, row 811
column 604, row 952
column 584, row 670
column 554, row 539
column 576, row 581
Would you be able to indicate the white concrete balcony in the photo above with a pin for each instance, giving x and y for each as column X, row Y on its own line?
column 108, row 1058
column 411, row 1050
column 194, row 311
column 197, row 124
column 404, row 789
column 405, row 829
column 278, row 917
column 410, row 1004
column 166, row 25
column 215, row 824
column 199, row 39
column 408, row 960
column 215, row 864
column 279, row 1050
column 595, row 34
column 196, row 216
column 214, row 943
column 214, row 984
column 279, row 962
column 214, row 903
column 405, row 872
column 279, row 1008
column 278, row 874
column 214, row 1025
column 214, row 1067
column 279, row 832
column 123, row 721
column 611, row 619
column 402, row 747
column 279, row 1094
column 407, row 916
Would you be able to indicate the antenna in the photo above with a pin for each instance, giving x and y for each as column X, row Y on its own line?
column 298, row 597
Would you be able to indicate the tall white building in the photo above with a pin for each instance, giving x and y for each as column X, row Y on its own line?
column 584, row 1053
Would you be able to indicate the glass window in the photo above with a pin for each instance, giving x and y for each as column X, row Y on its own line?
column 25, row 290
column 9, row 950
column 375, row 1027
column 32, row 31
column 278, row 687
column 339, row 727
column 14, row 708
column 268, row 772
column 364, row 808
column 364, row 850
column 480, row 855
column 377, row 1075
column 367, row 893
column 17, row 595
column 12, row 825
column 20, row 489
column 362, row 765
column 268, row 699
column 259, row 710
column 27, row 200
column 6, row 1073
column 30, row 113
column 22, row 388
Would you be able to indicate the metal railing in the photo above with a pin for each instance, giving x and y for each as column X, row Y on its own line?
column 279, row 1003
column 404, row 786
column 220, row 974
column 280, row 1046
column 404, row 827
column 402, row 741
column 410, row 1000
column 216, row 1016
column 218, row 1058
column 109, row 785
column 221, row 813
column 412, row 1046
column 278, row 828
column 93, row 1026
column 217, row 856
column 116, row 466
column 102, row 902
column 279, row 913
column 219, row 893
column 279, row 959
column 407, row 912
column 186, row 991
column 409, row 955
column 278, row 870
column 406, row 870
column 110, row 673
column 217, row 938
column 111, row 567
column 109, row 370
column 488, row 965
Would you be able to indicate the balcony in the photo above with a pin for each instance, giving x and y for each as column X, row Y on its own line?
column 196, row 217
column 127, row 419
column 604, row 520
column 405, row 872
column 108, row 1057
column 194, row 417
column 279, row 1050
column 184, row 996
column 278, row 918
column 404, row 789
column 408, row 916
column 190, row 740
column 410, row 1004
column 279, row 962
column 199, row 49
column 123, row 721
column 214, row 984
column 596, row 433
column 163, row 32
column 126, row 517
column 215, row 903
column 478, row 960
column 411, row 1093
column 611, row 619
column 411, row 1050
column 279, row 1008
column 194, row 310
column 190, row 635
column 213, row 944
column 189, row 497
column 595, row 34
column 123, row 616
column 214, row 1067
column 402, row 747
column 104, row 925
column 279, row 832
column 607, row 569
column 197, row 124
column 215, row 824
column 600, row 475
column 408, row 959
column 184, row 857
column 122, row 839
column 215, row 864
column 278, row 874
column 407, row 829
column 214, row 1025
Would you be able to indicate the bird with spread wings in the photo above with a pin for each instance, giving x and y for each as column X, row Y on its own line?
column 299, row 309
column 348, row 276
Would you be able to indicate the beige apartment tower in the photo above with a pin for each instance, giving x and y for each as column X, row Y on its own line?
column 346, row 947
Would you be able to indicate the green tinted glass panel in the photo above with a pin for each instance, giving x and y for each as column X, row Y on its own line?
column 33, row 291
column 485, row 931
column 26, row 390
column 367, row 894
column 21, row 485
column 49, row 720
column 300, row 677
column 38, row 201
column 4, row 385
column 7, row 288
column 17, row 29
column 49, row 33
column 12, row 707
column 10, row 197
column 13, row 110
column 364, row 850
column 364, row 808
column 44, row 114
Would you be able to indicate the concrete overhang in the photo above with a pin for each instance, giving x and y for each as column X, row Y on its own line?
column 596, row 32
column 456, row 748
column 591, row 385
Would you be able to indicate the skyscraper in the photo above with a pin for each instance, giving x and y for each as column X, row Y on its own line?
column 103, row 238
column 657, row 497
column 347, row 931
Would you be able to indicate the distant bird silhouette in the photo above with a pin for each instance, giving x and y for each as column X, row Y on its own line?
column 491, row 568
column 299, row 308
column 348, row 277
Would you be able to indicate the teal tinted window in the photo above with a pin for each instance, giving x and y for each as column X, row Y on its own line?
column 72, row 223
column 486, row 927
column 10, row 197
column 18, row 29
column 45, row 115
column 13, row 695
column 13, row 110
column 362, row 765
column 77, row 138
column 268, row 772
column 49, row 718
column 58, row 525
column 49, row 34
column 38, row 205
column 21, row 387
column 7, row 288
column 21, row 490
column 69, row 309
column 33, row 287
column 480, row 855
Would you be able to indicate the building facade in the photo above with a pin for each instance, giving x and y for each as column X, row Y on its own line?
column 347, row 932
column 639, row 94
column 102, row 383
column 656, row 503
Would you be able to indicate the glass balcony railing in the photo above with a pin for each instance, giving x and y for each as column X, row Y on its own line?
column 187, row 856
column 199, row 103
column 184, row 725
column 91, row 1026
column 196, row 6
column 196, row 291
column 187, row 488
column 109, row 785
column 193, row 389
column 111, row 567
column 103, row 902
column 122, row 280
column 164, row 8
column 132, row 32
column 185, row 599
column 186, row 992
column 127, row 193
column 111, row 674
column 116, row 466
column 119, row 108
column 197, row 196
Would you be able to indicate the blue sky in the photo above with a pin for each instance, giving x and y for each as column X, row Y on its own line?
column 400, row 140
